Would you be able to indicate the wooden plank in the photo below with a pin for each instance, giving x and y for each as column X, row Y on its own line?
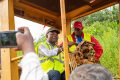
column 11, row 26
column 5, row 64
column 5, row 54
column 119, row 42
column 78, row 11
column 14, row 66
column 65, row 43
column 68, row 26
column 94, row 10
column 32, row 9
column 39, row 7
column 9, row 70
column 16, row 58
column 36, row 15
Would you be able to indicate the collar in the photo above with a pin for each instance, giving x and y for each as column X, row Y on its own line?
column 74, row 38
column 50, row 44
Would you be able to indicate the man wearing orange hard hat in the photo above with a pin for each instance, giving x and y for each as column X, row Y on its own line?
column 78, row 35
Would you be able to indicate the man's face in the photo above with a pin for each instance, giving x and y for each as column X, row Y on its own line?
column 52, row 37
column 78, row 31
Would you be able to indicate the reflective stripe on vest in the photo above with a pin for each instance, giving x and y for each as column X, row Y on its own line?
column 37, row 46
column 52, row 59
column 53, row 62
column 87, row 37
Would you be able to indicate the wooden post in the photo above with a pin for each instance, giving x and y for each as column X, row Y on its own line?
column 68, row 23
column 65, row 43
column 119, row 41
column 9, row 69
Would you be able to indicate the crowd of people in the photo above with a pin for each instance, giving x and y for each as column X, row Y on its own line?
column 47, row 62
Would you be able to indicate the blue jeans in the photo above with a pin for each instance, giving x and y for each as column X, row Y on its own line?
column 55, row 75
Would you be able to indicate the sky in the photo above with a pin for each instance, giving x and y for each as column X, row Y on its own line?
column 35, row 28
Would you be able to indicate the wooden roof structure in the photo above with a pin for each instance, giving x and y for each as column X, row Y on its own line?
column 48, row 12
column 54, row 13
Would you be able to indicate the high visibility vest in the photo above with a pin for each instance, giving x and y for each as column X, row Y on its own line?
column 72, row 48
column 52, row 62
column 37, row 46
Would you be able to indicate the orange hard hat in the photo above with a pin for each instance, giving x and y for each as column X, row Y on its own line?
column 78, row 24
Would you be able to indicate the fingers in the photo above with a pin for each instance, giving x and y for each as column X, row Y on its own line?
column 17, row 49
column 24, row 30
column 18, row 35
column 21, row 29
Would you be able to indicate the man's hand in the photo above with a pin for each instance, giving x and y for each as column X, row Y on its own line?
column 25, row 40
column 71, row 43
column 60, row 49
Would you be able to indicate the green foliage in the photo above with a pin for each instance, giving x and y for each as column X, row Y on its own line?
column 104, row 26
column 109, row 14
column 43, row 38
column 108, row 37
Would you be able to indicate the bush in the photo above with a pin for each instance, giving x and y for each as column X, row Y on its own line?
column 107, row 34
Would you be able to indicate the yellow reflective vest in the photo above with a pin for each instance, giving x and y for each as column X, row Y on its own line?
column 87, row 37
column 51, row 62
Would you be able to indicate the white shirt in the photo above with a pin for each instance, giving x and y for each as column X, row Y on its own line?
column 43, row 50
column 31, row 69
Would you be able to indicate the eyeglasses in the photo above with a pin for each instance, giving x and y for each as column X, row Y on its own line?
column 77, row 29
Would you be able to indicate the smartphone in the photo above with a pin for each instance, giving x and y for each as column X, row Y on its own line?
column 8, row 39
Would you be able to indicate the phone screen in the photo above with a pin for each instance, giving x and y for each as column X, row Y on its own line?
column 8, row 39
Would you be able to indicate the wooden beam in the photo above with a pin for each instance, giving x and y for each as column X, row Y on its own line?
column 9, row 70
column 5, row 64
column 58, row 21
column 36, row 15
column 68, row 26
column 38, row 7
column 14, row 66
column 65, row 43
column 78, row 11
column 119, row 43
column 16, row 58
column 32, row 9
column 94, row 10
column 5, row 57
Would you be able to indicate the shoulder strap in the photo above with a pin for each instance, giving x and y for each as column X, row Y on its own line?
column 70, row 38
column 87, row 37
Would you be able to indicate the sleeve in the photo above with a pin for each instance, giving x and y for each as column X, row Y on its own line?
column 98, row 48
column 31, row 69
column 44, row 51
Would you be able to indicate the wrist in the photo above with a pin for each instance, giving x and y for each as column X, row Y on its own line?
column 61, row 49
column 28, row 48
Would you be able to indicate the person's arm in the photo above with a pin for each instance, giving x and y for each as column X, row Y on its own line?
column 43, row 50
column 98, row 48
column 31, row 69
column 30, row 64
